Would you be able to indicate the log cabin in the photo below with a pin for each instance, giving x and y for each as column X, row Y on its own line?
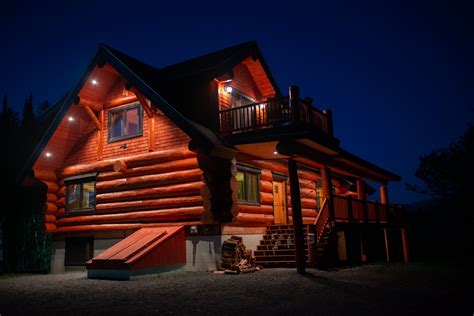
column 151, row 168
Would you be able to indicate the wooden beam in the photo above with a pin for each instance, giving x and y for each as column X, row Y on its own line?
column 143, row 102
column 119, row 101
column 94, row 118
column 89, row 103
column 151, row 133
column 297, row 216
column 100, row 144
column 383, row 194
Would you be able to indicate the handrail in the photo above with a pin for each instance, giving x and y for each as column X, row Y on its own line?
column 377, row 212
column 321, row 220
column 271, row 113
column 319, row 213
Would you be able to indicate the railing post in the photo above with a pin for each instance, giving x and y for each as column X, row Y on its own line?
column 294, row 100
column 350, row 214
column 329, row 123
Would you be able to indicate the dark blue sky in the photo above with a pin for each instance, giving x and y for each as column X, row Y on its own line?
column 398, row 75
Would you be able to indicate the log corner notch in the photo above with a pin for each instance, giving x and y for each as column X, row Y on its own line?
column 149, row 112
column 97, row 122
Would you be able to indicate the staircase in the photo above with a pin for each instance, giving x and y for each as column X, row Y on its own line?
column 277, row 248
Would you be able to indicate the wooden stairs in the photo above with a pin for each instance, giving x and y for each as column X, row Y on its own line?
column 277, row 248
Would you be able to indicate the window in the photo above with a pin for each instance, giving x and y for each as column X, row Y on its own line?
column 80, row 193
column 248, row 188
column 239, row 99
column 125, row 122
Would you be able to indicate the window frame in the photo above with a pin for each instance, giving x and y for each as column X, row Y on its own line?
column 250, row 169
column 240, row 94
column 81, row 179
column 124, row 109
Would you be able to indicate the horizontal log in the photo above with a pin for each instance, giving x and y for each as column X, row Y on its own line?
column 305, row 211
column 306, row 220
column 156, row 204
column 131, row 161
column 266, row 186
column 45, row 175
column 305, row 203
column 182, row 189
column 119, row 166
column 266, row 198
column 110, row 227
column 264, row 164
column 251, row 209
column 266, row 175
column 148, row 180
column 61, row 192
column 184, row 213
column 119, row 101
column 49, row 218
column 61, row 202
column 164, row 167
column 204, row 191
column 50, row 227
column 51, row 198
column 245, row 218
column 52, row 208
column 52, row 187
column 60, row 213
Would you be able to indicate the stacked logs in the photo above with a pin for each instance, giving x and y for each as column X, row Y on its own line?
column 162, row 186
column 236, row 258
column 49, row 178
column 219, row 193
column 263, row 214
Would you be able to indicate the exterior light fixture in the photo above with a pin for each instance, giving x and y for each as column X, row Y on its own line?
column 48, row 154
column 275, row 152
column 228, row 88
column 70, row 119
column 94, row 82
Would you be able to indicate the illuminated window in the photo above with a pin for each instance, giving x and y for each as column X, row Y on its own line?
column 125, row 122
column 80, row 193
column 248, row 188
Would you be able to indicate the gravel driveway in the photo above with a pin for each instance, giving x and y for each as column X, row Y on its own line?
column 387, row 289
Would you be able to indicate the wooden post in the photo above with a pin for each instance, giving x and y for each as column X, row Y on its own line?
column 387, row 252
column 361, row 189
column 294, row 96
column 383, row 194
column 327, row 190
column 361, row 195
column 151, row 132
column 404, row 245
column 330, row 127
column 297, row 216
column 100, row 144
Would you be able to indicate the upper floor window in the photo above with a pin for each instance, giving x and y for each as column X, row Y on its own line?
column 248, row 188
column 125, row 122
column 80, row 193
column 240, row 99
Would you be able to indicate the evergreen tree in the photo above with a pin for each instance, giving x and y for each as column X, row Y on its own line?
column 43, row 107
column 28, row 114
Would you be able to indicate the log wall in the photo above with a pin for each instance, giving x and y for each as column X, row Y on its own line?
column 263, row 214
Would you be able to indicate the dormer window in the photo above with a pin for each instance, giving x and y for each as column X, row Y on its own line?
column 125, row 122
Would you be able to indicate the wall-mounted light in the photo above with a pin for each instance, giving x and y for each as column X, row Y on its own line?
column 48, row 154
column 227, row 88
column 275, row 152
column 94, row 82
column 70, row 119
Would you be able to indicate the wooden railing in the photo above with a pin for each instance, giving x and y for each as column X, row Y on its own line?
column 321, row 220
column 273, row 113
column 353, row 210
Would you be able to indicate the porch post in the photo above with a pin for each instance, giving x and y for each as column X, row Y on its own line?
column 404, row 245
column 361, row 195
column 384, row 200
column 360, row 189
column 297, row 216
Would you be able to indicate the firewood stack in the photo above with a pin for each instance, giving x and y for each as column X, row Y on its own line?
column 235, row 258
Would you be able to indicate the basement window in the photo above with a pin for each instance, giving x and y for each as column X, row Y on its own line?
column 125, row 122
column 80, row 193
column 248, row 185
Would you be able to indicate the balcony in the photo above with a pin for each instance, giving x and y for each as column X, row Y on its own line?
column 280, row 112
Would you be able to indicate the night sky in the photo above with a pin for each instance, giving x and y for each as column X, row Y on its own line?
column 398, row 77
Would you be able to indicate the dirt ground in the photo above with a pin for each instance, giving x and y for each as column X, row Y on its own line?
column 382, row 289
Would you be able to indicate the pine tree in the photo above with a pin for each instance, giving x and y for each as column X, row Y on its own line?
column 28, row 114
column 43, row 107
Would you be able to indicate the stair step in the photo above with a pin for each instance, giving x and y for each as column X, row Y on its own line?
column 270, row 247
column 278, row 242
column 268, row 252
column 277, row 258
column 283, row 231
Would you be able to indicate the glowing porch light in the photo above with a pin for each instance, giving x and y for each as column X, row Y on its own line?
column 275, row 152
column 228, row 88
column 70, row 119
column 48, row 154
column 94, row 82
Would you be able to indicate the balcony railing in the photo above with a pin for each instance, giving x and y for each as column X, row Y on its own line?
column 274, row 113
column 353, row 210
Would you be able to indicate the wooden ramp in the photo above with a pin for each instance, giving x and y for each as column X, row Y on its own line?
column 148, row 250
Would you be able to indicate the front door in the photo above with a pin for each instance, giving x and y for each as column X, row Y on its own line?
column 279, row 202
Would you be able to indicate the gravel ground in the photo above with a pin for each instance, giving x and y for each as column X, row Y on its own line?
column 386, row 289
